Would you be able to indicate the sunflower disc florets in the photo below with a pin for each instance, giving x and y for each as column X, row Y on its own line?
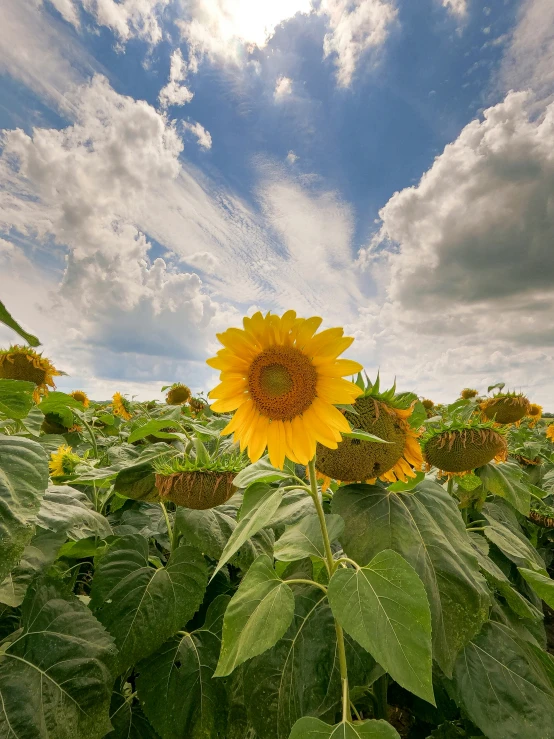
column 24, row 363
column 468, row 393
column 384, row 415
column 178, row 394
column 427, row 404
column 461, row 450
column 196, row 489
column 506, row 408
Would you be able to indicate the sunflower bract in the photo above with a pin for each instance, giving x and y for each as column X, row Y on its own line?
column 463, row 450
column 196, row 489
column 283, row 380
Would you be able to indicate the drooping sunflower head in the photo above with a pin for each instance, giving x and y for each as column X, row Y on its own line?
column 197, row 406
column 550, row 432
column 81, row 396
column 284, row 381
column 54, row 424
column 178, row 394
column 458, row 449
column 427, row 404
column 506, row 408
column 383, row 414
column 468, row 393
column 24, row 363
column 121, row 407
column 63, row 462
column 534, row 413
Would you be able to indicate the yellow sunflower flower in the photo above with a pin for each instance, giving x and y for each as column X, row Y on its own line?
column 81, row 396
column 284, row 381
column 178, row 394
column 121, row 406
column 550, row 432
column 535, row 413
column 62, row 461
column 24, row 363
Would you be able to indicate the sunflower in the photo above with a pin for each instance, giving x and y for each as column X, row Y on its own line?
column 199, row 490
column 385, row 415
column 550, row 432
column 24, row 363
column 506, row 407
column 284, row 381
column 121, row 406
column 468, row 393
column 458, row 450
column 53, row 424
column 178, row 394
column 427, row 404
column 197, row 406
column 535, row 413
column 63, row 462
column 81, row 396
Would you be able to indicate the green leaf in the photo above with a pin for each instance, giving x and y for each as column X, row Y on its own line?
column 141, row 606
column 260, row 471
column 313, row 728
column 498, row 386
column 8, row 320
column 258, row 615
column 294, row 506
column 16, row 398
column 385, row 608
column 541, row 583
column 257, row 516
column 505, row 532
column 37, row 556
column 128, row 720
column 152, row 427
column 425, row 527
column 503, row 686
column 55, row 677
column 505, row 481
column 64, row 509
column 304, row 539
column 137, row 482
column 61, row 404
column 23, row 480
column 180, row 675
column 364, row 436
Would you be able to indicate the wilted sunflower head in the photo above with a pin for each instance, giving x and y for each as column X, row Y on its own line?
column 460, row 448
column 197, row 406
column 534, row 413
column 427, row 404
column 81, row 396
column 53, row 424
column 121, row 406
column 178, row 394
column 284, row 381
column 506, row 408
column 468, row 393
column 193, row 484
column 383, row 414
column 550, row 432
column 63, row 462
column 24, row 363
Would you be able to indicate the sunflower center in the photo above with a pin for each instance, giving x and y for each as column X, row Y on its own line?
column 282, row 382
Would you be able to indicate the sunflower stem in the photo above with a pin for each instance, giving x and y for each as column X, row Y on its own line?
column 331, row 567
column 302, row 581
column 168, row 524
column 92, row 437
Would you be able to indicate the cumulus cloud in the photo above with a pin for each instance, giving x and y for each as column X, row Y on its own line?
column 283, row 88
column 456, row 7
column 292, row 157
column 174, row 93
column 356, row 27
column 202, row 136
column 129, row 18
column 68, row 11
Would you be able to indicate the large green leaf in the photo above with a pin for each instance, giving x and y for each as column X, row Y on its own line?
column 505, row 532
column 23, row 480
column 16, row 398
column 505, row 481
column 385, row 608
column 426, row 528
column 313, row 728
column 260, row 471
column 55, row 676
column 142, row 606
column 541, row 583
column 256, row 618
column 179, row 675
column 294, row 506
column 64, row 509
column 7, row 319
column 61, row 404
column 37, row 556
column 304, row 539
column 503, row 686
column 128, row 720
column 300, row 675
column 258, row 514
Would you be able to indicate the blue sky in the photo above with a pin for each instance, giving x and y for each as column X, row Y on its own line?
column 167, row 166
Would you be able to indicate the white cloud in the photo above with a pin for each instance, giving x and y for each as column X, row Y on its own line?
column 174, row 93
column 129, row 18
column 291, row 157
column 529, row 59
column 456, row 7
column 467, row 253
column 283, row 88
column 356, row 28
column 67, row 10
column 203, row 137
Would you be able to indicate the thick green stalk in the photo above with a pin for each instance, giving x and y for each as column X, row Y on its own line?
column 331, row 567
column 380, row 690
column 168, row 524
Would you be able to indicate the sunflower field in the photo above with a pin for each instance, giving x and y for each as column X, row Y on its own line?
column 302, row 553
